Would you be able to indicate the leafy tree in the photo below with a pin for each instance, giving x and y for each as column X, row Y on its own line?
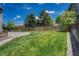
column 66, row 19
column 10, row 25
column 30, row 21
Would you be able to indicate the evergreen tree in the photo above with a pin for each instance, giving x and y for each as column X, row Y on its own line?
column 30, row 21
column 45, row 18
column 58, row 19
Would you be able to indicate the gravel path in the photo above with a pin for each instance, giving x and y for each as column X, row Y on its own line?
column 12, row 35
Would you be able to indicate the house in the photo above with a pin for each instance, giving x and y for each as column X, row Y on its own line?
column 75, row 28
column 1, row 20
column 3, row 34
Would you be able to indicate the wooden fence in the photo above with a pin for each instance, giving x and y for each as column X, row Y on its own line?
column 40, row 28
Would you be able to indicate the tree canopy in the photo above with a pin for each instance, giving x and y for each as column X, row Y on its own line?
column 30, row 20
column 66, row 18
column 10, row 24
column 43, row 20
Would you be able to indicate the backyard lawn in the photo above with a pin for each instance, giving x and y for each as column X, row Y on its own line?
column 45, row 43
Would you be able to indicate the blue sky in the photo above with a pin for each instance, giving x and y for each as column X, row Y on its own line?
column 17, row 12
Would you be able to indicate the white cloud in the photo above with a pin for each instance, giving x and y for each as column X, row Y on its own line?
column 18, row 16
column 47, row 11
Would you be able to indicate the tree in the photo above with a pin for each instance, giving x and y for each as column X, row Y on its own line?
column 45, row 18
column 49, row 21
column 30, row 21
column 58, row 20
column 66, row 19
column 10, row 25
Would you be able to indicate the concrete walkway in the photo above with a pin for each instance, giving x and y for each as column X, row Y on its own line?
column 12, row 35
column 17, row 34
column 69, row 45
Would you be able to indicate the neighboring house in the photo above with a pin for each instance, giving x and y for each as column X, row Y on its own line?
column 1, row 20
column 75, row 28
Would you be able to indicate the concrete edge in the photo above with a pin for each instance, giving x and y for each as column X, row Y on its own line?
column 69, row 45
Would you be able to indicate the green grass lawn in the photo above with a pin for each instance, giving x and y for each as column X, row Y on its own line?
column 46, row 43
